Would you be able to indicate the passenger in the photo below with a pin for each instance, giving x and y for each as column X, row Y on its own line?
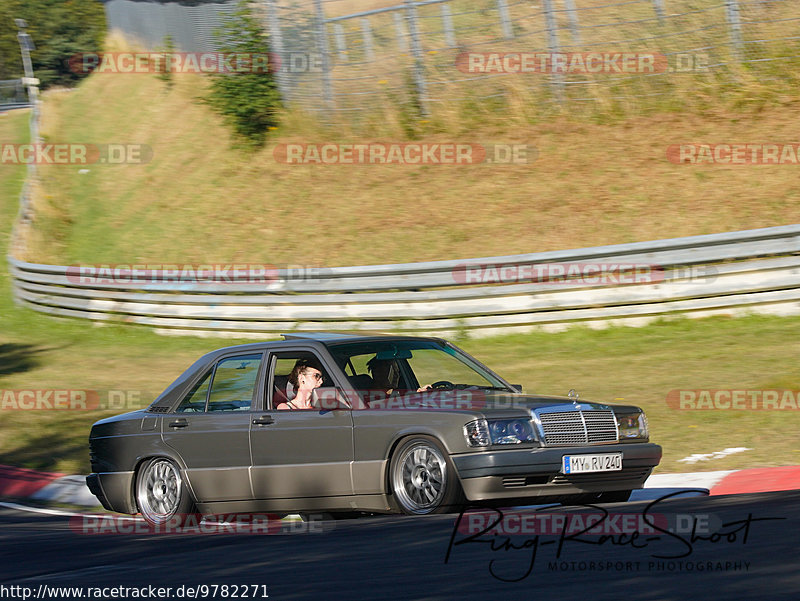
column 306, row 376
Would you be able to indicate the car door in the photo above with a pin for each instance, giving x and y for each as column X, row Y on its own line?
column 305, row 453
column 210, row 428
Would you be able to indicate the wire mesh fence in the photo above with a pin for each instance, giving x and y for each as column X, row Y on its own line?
column 348, row 57
column 434, row 51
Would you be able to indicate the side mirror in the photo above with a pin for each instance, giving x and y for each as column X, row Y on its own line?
column 518, row 387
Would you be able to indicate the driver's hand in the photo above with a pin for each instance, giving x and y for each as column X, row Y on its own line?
column 424, row 388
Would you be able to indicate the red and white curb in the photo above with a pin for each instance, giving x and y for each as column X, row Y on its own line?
column 21, row 483
column 728, row 482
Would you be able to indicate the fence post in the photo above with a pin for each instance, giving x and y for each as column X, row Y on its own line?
column 553, row 47
column 447, row 25
column 505, row 21
column 341, row 47
column 321, row 36
column 735, row 24
column 366, row 34
column 416, row 52
column 574, row 25
column 658, row 5
column 276, row 47
column 402, row 43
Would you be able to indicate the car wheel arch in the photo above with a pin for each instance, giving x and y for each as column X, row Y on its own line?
column 417, row 431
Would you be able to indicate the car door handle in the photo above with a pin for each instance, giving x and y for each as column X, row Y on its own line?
column 264, row 420
column 178, row 423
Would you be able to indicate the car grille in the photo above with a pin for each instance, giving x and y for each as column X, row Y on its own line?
column 578, row 427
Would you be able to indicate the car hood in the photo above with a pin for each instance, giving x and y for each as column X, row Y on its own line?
column 499, row 404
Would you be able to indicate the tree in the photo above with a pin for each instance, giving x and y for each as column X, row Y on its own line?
column 59, row 28
column 248, row 100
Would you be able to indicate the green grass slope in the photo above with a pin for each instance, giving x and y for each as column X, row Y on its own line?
column 200, row 199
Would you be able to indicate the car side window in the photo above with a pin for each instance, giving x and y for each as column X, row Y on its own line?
column 234, row 383
column 195, row 401
column 325, row 396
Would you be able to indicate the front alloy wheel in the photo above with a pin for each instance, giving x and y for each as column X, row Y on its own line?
column 423, row 480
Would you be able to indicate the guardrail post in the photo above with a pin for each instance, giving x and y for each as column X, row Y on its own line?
column 735, row 25
column 416, row 52
column 553, row 46
column 321, row 36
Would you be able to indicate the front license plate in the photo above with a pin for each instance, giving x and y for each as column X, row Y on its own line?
column 582, row 464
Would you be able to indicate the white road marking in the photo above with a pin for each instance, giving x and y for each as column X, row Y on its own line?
column 709, row 456
column 60, row 512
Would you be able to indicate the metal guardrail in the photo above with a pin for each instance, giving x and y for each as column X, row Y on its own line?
column 729, row 273
column 14, row 106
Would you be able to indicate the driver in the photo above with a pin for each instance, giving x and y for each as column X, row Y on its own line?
column 386, row 376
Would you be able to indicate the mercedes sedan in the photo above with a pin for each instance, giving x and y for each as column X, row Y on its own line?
column 343, row 423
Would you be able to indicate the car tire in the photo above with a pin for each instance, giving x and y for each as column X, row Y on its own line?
column 423, row 479
column 162, row 496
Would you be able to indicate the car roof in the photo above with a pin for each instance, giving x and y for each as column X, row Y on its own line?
column 324, row 338
column 331, row 337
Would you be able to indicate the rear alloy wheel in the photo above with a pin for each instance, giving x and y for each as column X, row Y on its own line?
column 161, row 494
column 423, row 478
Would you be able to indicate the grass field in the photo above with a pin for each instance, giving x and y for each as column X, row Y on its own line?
column 198, row 200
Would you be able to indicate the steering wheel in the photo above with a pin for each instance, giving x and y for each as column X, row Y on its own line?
column 443, row 385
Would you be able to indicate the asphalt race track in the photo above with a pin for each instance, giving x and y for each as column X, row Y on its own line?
column 740, row 551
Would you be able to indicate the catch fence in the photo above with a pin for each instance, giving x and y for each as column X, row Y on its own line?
column 352, row 57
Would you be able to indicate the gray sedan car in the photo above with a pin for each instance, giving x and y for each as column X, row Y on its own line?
column 345, row 423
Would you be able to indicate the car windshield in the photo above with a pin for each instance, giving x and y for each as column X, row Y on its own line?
column 411, row 365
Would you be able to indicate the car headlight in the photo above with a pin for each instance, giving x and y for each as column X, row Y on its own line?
column 632, row 425
column 482, row 433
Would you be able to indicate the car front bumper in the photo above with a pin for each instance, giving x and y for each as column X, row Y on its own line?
column 520, row 473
